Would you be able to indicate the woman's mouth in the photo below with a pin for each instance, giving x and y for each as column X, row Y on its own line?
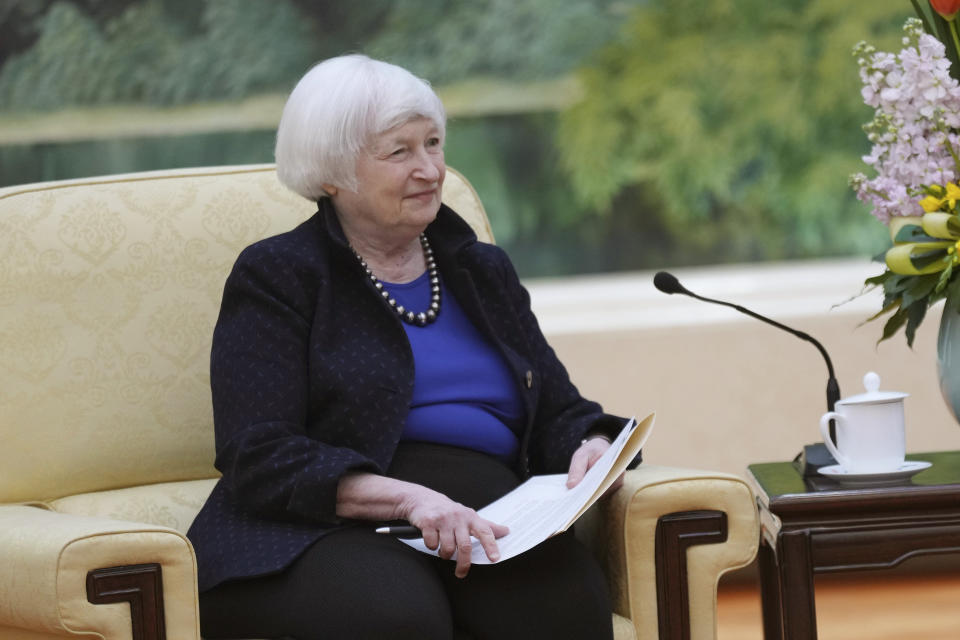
column 423, row 195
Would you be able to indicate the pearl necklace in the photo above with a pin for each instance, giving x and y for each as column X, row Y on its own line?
column 423, row 318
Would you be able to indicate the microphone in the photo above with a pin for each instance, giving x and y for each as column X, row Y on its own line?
column 813, row 456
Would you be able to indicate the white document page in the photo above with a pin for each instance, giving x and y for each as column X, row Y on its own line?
column 543, row 506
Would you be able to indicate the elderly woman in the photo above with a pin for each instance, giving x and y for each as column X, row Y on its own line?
column 379, row 364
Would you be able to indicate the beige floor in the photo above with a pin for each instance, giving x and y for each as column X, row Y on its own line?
column 861, row 608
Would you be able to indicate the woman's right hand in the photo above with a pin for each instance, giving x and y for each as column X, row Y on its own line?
column 449, row 527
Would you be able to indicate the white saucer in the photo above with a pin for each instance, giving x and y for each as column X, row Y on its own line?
column 907, row 470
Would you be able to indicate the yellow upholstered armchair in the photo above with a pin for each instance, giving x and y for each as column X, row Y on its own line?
column 109, row 290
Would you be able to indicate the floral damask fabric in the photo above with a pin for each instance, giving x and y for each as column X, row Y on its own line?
column 109, row 291
column 168, row 504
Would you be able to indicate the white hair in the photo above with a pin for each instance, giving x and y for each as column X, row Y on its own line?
column 333, row 113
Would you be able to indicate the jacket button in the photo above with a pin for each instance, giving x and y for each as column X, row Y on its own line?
column 529, row 379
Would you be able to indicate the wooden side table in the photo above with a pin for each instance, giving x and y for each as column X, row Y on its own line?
column 820, row 526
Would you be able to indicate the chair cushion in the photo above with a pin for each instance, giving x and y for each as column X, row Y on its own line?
column 169, row 504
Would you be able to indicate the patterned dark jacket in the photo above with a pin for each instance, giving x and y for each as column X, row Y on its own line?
column 312, row 376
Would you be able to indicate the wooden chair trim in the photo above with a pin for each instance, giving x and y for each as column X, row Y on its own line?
column 676, row 532
column 140, row 585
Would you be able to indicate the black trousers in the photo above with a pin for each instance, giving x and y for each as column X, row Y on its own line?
column 356, row 584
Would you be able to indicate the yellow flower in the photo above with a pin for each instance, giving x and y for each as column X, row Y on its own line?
column 933, row 203
column 953, row 194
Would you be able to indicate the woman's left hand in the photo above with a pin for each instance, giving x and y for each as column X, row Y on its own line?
column 584, row 458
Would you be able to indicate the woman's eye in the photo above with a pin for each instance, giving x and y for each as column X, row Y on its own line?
column 433, row 142
column 397, row 152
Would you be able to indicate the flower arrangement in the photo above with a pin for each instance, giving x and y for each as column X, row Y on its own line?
column 915, row 133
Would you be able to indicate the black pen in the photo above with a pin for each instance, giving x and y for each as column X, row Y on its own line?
column 404, row 531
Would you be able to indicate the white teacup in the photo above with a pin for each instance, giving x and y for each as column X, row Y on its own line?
column 870, row 429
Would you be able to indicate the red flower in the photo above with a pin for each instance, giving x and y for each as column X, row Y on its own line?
column 946, row 8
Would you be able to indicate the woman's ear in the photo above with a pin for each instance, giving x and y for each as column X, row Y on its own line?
column 329, row 189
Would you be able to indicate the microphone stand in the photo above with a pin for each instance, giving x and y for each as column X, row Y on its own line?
column 814, row 456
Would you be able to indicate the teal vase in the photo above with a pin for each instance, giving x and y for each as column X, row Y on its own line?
column 948, row 359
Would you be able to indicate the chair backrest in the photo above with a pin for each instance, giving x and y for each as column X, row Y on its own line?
column 109, row 290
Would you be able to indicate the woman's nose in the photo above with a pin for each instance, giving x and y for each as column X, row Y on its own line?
column 427, row 167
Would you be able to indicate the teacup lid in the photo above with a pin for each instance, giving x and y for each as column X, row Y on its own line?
column 871, row 382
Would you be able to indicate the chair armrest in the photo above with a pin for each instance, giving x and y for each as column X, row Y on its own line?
column 624, row 528
column 45, row 558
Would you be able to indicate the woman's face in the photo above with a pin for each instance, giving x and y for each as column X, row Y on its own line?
column 399, row 179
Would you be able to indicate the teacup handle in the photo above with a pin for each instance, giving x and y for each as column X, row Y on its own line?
column 828, row 441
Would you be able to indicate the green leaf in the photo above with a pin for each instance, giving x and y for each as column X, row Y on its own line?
column 893, row 325
column 887, row 309
column 919, row 289
column 912, row 233
column 915, row 315
column 922, row 15
column 944, row 278
column 927, row 258
column 897, row 284
column 919, row 236
column 878, row 280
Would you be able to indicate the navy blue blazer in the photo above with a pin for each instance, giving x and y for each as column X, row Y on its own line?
column 312, row 377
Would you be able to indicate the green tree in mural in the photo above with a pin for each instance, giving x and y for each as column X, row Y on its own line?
column 73, row 52
column 448, row 41
column 740, row 120
column 150, row 52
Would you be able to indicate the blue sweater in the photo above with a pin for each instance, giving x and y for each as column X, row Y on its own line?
column 463, row 394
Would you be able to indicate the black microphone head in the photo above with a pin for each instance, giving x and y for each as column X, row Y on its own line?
column 667, row 283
